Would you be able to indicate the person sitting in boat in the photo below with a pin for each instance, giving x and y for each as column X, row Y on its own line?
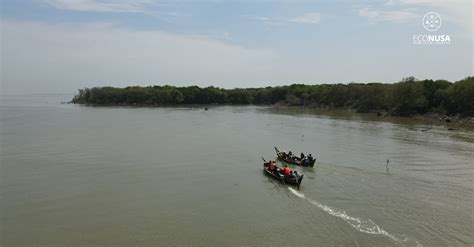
column 287, row 171
column 272, row 165
column 290, row 156
column 302, row 156
column 293, row 157
column 310, row 158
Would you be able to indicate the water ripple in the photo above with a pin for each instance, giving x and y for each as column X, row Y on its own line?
column 362, row 225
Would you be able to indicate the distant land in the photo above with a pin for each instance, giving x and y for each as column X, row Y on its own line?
column 409, row 97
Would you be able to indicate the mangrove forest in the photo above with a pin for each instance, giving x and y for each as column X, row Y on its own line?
column 405, row 98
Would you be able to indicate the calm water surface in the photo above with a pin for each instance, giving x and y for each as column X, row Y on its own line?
column 74, row 175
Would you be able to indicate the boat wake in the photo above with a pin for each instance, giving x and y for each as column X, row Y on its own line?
column 362, row 225
column 296, row 193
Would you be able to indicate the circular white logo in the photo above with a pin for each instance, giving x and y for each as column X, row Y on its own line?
column 431, row 21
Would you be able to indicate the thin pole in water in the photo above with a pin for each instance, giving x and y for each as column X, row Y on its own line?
column 386, row 166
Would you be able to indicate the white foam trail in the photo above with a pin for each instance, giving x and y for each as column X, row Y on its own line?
column 362, row 225
column 296, row 193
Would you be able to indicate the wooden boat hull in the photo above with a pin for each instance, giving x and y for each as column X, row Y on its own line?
column 294, row 162
column 294, row 180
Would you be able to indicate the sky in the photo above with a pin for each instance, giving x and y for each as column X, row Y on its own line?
column 59, row 46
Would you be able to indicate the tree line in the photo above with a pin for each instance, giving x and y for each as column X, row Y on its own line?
column 404, row 98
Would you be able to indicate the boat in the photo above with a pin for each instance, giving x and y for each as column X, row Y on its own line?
column 297, row 161
column 277, row 173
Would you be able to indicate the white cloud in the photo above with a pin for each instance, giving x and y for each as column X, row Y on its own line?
column 307, row 18
column 269, row 21
column 60, row 58
column 99, row 6
column 458, row 12
column 226, row 36
column 388, row 15
column 43, row 57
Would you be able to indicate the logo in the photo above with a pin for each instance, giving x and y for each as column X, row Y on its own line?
column 432, row 21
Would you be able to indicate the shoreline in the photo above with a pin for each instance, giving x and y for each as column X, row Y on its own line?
column 430, row 118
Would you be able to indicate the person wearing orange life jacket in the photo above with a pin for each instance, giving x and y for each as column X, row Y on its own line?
column 287, row 171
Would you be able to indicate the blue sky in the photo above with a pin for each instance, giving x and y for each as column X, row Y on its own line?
column 57, row 46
